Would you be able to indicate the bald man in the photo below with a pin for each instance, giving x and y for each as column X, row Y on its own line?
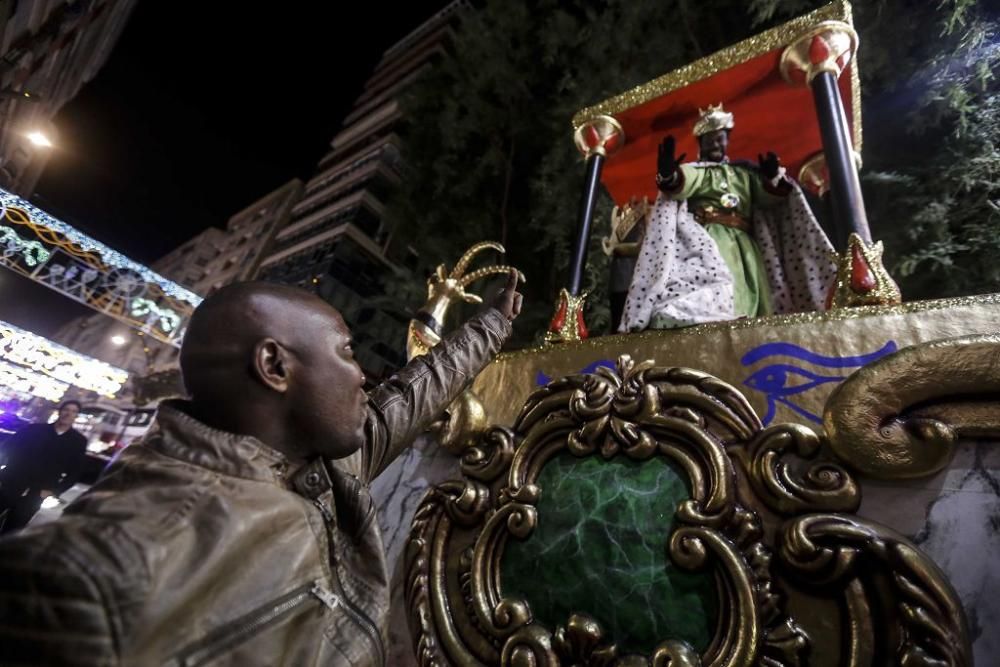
column 240, row 530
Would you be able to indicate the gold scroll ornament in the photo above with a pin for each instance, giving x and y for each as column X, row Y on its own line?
column 800, row 578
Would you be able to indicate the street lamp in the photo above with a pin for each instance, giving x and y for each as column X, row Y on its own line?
column 120, row 340
column 39, row 139
column 26, row 142
column 36, row 137
column 23, row 95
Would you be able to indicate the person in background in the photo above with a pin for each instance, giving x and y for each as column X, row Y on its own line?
column 39, row 461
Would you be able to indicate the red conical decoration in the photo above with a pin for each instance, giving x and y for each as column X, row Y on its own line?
column 559, row 319
column 819, row 50
column 862, row 278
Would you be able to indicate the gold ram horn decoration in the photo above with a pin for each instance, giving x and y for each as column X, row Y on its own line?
column 465, row 419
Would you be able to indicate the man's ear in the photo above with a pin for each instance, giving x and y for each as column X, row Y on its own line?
column 270, row 365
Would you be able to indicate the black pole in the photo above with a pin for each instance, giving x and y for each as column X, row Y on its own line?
column 594, row 164
column 845, row 187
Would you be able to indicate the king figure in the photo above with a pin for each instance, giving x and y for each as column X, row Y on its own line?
column 725, row 239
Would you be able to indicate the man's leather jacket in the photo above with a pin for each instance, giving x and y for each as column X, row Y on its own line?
column 197, row 547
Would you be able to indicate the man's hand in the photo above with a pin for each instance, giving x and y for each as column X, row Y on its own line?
column 508, row 299
column 666, row 163
column 769, row 165
column 45, row 493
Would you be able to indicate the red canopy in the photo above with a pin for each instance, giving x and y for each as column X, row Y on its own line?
column 770, row 114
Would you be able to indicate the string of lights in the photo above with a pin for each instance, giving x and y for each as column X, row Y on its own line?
column 34, row 361
column 109, row 257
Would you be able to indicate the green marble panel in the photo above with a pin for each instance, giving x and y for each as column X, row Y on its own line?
column 600, row 547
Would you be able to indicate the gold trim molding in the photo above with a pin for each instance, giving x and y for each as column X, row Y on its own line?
column 816, row 317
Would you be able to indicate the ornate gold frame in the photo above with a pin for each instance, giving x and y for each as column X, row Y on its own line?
column 801, row 580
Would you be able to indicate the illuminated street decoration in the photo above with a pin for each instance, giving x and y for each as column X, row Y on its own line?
column 30, row 360
column 32, row 252
column 49, row 251
column 168, row 319
column 24, row 381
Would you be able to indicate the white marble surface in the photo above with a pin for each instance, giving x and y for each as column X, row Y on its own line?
column 397, row 493
column 954, row 517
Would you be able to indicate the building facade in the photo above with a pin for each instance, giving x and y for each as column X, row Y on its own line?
column 339, row 243
column 48, row 50
column 329, row 235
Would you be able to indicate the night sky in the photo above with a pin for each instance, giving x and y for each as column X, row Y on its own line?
column 193, row 117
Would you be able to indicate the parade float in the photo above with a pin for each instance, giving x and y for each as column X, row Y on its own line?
column 817, row 486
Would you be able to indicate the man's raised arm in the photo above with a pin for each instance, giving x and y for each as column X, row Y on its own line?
column 405, row 405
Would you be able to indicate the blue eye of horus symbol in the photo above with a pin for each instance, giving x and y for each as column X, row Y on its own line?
column 781, row 381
